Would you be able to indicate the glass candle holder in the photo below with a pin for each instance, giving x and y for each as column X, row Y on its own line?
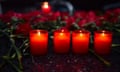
column 38, row 42
column 80, row 41
column 61, row 41
column 102, row 42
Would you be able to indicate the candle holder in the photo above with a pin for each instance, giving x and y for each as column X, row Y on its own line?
column 80, row 41
column 61, row 41
column 102, row 42
column 38, row 42
column 46, row 8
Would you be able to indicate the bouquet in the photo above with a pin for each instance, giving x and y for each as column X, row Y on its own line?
column 18, row 25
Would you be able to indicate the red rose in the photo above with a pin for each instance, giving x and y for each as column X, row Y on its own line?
column 23, row 28
column 98, row 22
column 35, row 13
column 108, row 14
column 64, row 15
column 54, row 16
column 80, row 14
column 69, row 21
column 27, row 17
column 100, row 19
column 7, row 17
column 40, row 20
column 116, row 11
column 91, row 16
column 82, row 22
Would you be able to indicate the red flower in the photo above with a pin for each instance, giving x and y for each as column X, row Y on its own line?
column 54, row 16
column 79, row 14
column 116, row 11
column 64, row 15
column 40, row 20
column 98, row 22
column 69, row 21
column 100, row 19
column 91, row 16
column 35, row 13
column 7, row 17
column 82, row 22
column 27, row 17
column 108, row 14
column 23, row 28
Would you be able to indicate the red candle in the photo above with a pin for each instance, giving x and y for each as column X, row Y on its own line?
column 46, row 8
column 102, row 42
column 80, row 41
column 61, row 41
column 38, row 42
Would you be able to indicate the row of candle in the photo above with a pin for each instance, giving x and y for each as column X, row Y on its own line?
column 62, row 38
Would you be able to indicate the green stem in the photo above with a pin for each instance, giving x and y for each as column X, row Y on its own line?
column 100, row 58
column 13, row 65
column 23, row 43
column 115, row 45
column 19, row 55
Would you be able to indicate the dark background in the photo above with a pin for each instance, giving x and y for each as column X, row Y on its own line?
column 78, row 4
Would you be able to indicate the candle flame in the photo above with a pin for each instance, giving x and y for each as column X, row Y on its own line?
column 61, row 34
column 39, row 33
column 45, row 4
column 81, row 34
column 103, row 33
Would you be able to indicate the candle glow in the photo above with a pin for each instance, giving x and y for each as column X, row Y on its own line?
column 102, row 42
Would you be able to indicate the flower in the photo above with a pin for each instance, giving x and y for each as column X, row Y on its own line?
column 23, row 28
column 82, row 22
column 79, row 14
column 69, row 21
column 91, row 16
column 11, row 15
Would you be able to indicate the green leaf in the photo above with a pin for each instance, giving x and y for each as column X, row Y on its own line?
column 19, row 55
column 14, row 66
column 118, row 30
column 13, row 56
column 115, row 45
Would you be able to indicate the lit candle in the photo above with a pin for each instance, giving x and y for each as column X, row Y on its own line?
column 61, row 41
column 46, row 8
column 102, row 42
column 80, row 41
column 38, row 42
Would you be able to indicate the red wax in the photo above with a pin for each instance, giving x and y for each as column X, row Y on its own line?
column 80, row 41
column 46, row 8
column 38, row 42
column 102, row 42
column 61, row 41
